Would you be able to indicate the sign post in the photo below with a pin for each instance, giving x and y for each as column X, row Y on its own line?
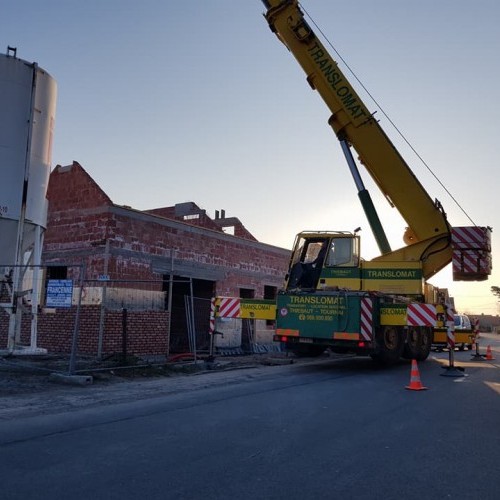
column 59, row 293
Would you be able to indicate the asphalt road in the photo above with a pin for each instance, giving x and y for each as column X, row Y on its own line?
column 333, row 429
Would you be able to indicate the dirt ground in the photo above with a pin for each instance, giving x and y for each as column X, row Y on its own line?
column 36, row 385
column 40, row 385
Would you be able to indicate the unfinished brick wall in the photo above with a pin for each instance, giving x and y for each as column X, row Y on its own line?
column 146, row 331
column 84, row 226
column 72, row 190
column 192, row 214
column 82, row 221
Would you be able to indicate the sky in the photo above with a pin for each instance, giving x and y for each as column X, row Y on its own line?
column 164, row 102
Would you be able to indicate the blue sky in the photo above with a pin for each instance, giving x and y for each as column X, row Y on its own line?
column 170, row 101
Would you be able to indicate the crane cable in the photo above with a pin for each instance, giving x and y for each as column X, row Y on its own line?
column 386, row 115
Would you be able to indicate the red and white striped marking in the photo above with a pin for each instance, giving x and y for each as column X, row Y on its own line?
column 475, row 331
column 469, row 237
column 450, row 314
column 421, row 315
column 367, row 318
column 450, row 333
column 229, row 307
column 471, row 250
column 212, row 316
column 471, row 261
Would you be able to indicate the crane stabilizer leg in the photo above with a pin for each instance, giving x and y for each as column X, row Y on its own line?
column 366, row 202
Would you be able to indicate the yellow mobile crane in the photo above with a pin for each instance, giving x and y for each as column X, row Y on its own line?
column 333, row 298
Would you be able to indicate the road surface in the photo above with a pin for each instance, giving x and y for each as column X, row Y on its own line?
column 331, row 429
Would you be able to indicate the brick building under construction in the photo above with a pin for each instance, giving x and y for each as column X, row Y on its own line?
column 168, row 253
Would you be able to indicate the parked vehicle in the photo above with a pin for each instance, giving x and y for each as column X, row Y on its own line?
column 462, row 322
column 332, row 298
column 464, row 334
column 464, row 331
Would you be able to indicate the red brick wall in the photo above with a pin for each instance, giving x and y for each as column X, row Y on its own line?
column 146, row 331
column 126, row 244
column 72, row 189
column 82, row 223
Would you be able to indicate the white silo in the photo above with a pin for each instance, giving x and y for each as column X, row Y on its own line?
column 27, row 115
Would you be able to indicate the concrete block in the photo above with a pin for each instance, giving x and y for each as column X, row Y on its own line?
column 71, row 379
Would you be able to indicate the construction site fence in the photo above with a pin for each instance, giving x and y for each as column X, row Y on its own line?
column 246, row 325
column 103, row 323
column 95, row 322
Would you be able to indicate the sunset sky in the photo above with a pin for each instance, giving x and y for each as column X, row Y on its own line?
column 166, row 101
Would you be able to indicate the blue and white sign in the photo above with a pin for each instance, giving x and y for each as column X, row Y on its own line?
column 59, row 293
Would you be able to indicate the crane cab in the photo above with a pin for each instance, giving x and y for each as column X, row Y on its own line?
column 324, row 260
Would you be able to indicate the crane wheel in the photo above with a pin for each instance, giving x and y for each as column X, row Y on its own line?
column 412, row 345
column 389, row 344
column 418, row 343
column 426, row 344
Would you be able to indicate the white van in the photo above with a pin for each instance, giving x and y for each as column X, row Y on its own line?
column 462, row 338
column 462, row 322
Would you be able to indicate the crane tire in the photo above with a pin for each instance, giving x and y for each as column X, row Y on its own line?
column 389, row 344
column 425, row 344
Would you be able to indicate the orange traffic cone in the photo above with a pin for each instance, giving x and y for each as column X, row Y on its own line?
column 415, row 384
column 489, row 354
